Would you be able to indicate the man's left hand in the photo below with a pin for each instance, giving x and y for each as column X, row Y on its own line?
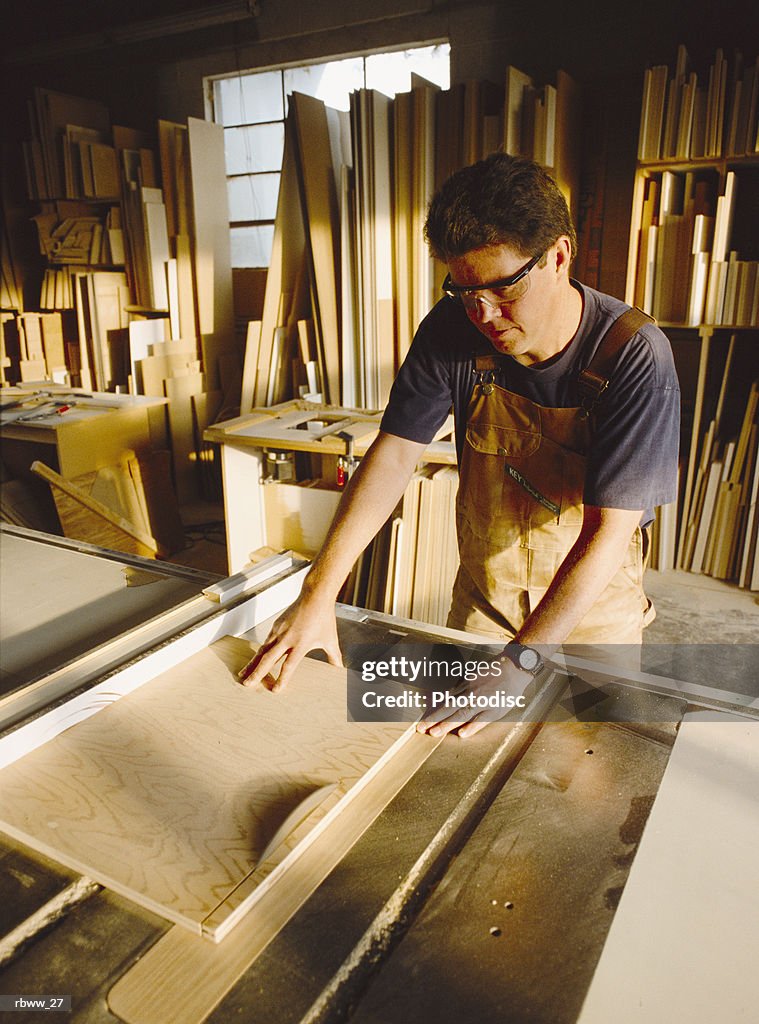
column 469, row 719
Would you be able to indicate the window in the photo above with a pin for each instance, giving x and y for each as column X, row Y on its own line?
column 252, row 108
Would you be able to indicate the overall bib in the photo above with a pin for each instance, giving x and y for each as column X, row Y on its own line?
column 520, row 506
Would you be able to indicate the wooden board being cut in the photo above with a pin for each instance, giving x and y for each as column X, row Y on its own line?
column 170, row 795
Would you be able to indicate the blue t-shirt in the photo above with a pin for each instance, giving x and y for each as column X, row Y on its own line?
column 632, row 462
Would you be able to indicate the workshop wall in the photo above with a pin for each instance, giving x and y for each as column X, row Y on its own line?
column 604, row 47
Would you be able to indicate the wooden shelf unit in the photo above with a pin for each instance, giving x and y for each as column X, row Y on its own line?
column 708, row 271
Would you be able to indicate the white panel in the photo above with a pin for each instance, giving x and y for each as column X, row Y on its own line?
column 682, row 946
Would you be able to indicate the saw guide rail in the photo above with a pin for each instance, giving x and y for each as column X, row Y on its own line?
column 545, row 818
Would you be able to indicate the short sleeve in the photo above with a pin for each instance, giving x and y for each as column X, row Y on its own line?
column 633, row 460
column 421, row 396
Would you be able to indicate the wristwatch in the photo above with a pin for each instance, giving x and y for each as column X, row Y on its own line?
column 525, row 658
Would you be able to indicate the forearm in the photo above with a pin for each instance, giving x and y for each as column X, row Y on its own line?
column 369, row 499
column 582, row 577
column 309, row 623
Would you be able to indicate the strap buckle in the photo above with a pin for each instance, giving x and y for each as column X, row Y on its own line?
column 590, row 386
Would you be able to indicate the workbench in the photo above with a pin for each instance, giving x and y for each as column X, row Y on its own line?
column 595, row 865
column 263, row 512
column 93, row 430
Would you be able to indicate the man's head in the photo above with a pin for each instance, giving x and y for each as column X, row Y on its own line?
column 502, row 200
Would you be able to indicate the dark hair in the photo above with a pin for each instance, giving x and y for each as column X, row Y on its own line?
column 501, row 200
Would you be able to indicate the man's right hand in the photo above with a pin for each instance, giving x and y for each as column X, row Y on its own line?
column 371, row 495
column 308, row 624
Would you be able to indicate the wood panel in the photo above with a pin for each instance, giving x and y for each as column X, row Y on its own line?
column 183, row 978
column 85, row 518
column 694, row 877
column 170, row 795
column 319, row 199
column 179, row 391
column 213, row 272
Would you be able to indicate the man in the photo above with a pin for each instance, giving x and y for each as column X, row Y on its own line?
column 567, row 432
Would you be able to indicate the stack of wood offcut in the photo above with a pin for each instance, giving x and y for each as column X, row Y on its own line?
column 410, row 567
column 721, row 522
column 350, row 276
column 135, row 229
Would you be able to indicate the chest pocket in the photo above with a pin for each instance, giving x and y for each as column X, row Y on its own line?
column 493, row 439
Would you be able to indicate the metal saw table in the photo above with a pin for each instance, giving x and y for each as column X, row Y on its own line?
column 587, row 869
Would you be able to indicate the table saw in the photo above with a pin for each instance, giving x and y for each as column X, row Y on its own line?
column 591, row 860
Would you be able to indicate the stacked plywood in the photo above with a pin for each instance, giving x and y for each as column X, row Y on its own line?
column 349, row 253
column 410, row 567
column 299, row 334
column 721, row 524
column 108, row 201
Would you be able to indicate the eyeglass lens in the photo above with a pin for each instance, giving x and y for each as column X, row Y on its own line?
column 495, row 297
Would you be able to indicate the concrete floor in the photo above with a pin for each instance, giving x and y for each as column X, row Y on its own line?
column 705, row 632
column 696, row 609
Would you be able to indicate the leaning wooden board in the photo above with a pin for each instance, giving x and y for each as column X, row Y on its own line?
column 170, row 795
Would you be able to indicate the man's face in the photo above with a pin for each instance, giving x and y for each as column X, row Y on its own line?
column 517, row 328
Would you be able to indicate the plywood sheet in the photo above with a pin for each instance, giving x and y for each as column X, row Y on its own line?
column 183, row 978
column 213, row 272
column 179, row 391
column 320, row 212
column 687, row 918
column 170, row 795
column 57, row 604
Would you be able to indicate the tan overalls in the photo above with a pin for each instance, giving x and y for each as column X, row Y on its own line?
column 520, row 507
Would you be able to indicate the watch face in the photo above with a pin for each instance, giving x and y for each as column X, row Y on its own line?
column 529, row 659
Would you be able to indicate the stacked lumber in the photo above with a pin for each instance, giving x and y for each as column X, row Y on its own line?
column 542, row 122
column 68, row 155
column 163, row 325
column 686, row 116
column 302, row 285
column 110, row 199
column 371, row 126
column 73, row 232
column 348, row 253
column 688, row 270
column 721, row 521
column 409, row 569
column 101, row 299
column 42, row 346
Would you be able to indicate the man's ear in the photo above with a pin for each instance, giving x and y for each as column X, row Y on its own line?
column 563, row 253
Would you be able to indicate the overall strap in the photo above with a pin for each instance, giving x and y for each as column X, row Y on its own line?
column 594, row 379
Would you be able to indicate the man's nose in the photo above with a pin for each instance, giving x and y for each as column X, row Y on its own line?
column 485, row 311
